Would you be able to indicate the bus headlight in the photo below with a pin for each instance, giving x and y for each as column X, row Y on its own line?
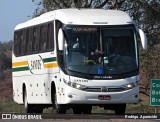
column 74, row 85
column 129, row 86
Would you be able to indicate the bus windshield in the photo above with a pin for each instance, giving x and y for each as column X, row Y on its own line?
column 100, row 50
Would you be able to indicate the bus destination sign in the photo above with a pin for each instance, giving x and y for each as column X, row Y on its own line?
column 84, row 29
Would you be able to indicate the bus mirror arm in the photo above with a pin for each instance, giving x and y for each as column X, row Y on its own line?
column 60, row 39
column 143, row 39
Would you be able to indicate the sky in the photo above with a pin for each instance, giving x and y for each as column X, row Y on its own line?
column 13, row 12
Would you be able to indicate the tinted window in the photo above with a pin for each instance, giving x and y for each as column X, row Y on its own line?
column 37, row 37
column 50, row 40
column 34, row 40
column 43, row 38
column 29, row 41
column 16, row 43
column 23, row 42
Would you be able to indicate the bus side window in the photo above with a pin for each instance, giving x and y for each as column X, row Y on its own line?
column 20, row 42
column 16, row 43
column 20, row 37
column 23, row 43
column 50, row 39
column 43, row 38
column 37, row 35
column 33, row 41
column 29, row 41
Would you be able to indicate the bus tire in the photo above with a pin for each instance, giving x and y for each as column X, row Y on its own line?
column 27, row 107
column 60, row 108
column 120, row 109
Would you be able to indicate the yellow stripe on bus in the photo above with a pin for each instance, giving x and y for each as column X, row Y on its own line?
column 19, row 63
column 51, row 65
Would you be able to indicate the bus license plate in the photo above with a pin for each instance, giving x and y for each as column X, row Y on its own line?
column 104, row 97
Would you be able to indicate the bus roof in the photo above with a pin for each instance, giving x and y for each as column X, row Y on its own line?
column 81, row 17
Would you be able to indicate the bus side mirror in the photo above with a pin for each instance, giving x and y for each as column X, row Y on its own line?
column 60, row 39
column 143, row 39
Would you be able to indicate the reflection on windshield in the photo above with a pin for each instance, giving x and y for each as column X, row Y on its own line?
column 101, row 50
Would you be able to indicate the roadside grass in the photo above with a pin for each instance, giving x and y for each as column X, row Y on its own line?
column 8, row 105
column 141, row 107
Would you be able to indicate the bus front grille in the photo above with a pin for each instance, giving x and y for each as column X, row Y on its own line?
column 104, row 89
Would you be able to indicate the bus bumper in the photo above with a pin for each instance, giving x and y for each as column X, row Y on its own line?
column 75, row 96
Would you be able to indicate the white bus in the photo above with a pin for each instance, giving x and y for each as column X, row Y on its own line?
column 77, row 58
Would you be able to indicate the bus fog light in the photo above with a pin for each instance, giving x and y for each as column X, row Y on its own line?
column 136, row 96
column 70, row 96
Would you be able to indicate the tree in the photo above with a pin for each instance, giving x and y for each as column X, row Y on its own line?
column 49, row 5
column 146, row 15
column 142, row 11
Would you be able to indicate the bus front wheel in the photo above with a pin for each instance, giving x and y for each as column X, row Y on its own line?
column 60, row 108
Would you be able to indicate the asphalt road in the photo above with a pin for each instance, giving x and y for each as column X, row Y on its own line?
column 76, row 118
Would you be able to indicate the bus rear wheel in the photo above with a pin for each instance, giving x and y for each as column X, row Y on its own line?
column 27, row 107
column 31, row 108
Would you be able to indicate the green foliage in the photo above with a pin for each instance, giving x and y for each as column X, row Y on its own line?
column 49, row 5
column 6, row 46
column 5, row 55
column 7, row 105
